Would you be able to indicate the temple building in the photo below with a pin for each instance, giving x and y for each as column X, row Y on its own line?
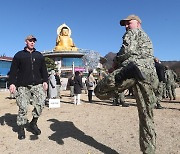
column 67, row 62
column 5, row 64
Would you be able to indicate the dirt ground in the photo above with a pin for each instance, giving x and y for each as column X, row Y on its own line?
column 93, row 128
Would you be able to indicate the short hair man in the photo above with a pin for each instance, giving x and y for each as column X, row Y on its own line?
column 28, row 74
column 135, row 69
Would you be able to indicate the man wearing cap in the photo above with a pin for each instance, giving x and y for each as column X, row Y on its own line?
column 135, row 68
column 28, row 74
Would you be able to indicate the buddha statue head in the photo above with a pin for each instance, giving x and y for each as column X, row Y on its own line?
column 64, row 42
column 64, row 30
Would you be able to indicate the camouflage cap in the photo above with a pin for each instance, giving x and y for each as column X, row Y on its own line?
column 29, row 37
column 130, row 17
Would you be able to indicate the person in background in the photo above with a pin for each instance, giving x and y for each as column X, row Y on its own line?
column 90, row 85
column 71, row 85
column 119, row 99
column 165, row 92
column 52, row 85
column 83, row 82
column 58, row 84
column 161, row 76
column 85, row 85
column 171, row 78
column 28, row 74
column 77, row 88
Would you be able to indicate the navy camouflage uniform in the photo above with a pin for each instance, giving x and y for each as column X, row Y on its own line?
column 171, row 77
column 137, row 49
column 37, row 95
column 160, row 69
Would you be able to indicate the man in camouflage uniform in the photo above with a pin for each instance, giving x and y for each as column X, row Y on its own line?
column 160, row 69
column 165, row 93
column 171, row 77
column 136, row 69
column 119, row 99
column 29, row 74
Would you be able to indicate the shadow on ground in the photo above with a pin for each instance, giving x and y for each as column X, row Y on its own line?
column 10, row 120
column 66, row 129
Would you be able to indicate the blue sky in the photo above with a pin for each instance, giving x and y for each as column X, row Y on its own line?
column 94, row 24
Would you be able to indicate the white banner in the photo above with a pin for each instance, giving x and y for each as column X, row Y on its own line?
column 54, row 103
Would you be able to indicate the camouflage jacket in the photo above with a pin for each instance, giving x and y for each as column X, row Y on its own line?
column 170, row 76
column 137, row 48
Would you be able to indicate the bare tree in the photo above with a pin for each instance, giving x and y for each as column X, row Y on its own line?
column 91, row 59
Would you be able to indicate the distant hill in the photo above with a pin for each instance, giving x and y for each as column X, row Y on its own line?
column 174, row 65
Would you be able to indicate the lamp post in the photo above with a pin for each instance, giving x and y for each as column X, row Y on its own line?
column 73, row 67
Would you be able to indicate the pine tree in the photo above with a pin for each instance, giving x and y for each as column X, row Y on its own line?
column 50, row 64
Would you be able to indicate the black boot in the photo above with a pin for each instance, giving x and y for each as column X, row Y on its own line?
column 128, row 72
column 21, row 133
column 90, row 99
column 115, row 102
column 34, row 127
column 124, row 104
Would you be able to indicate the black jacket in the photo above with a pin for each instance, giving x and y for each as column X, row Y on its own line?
column 70, row 82
column 160, row 69
column 77, row 84
column 28, row 69
column 58, row 81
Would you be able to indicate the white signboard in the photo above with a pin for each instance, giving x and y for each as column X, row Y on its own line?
column 54, row 103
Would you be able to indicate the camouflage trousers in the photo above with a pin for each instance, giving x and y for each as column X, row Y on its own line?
column 120, row 97
column 24, row 96
column 145, row 99
column 171, row 90
column 165, row 93
column 159, row 92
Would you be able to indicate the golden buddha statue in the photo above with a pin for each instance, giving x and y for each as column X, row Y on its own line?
column 63, row 41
